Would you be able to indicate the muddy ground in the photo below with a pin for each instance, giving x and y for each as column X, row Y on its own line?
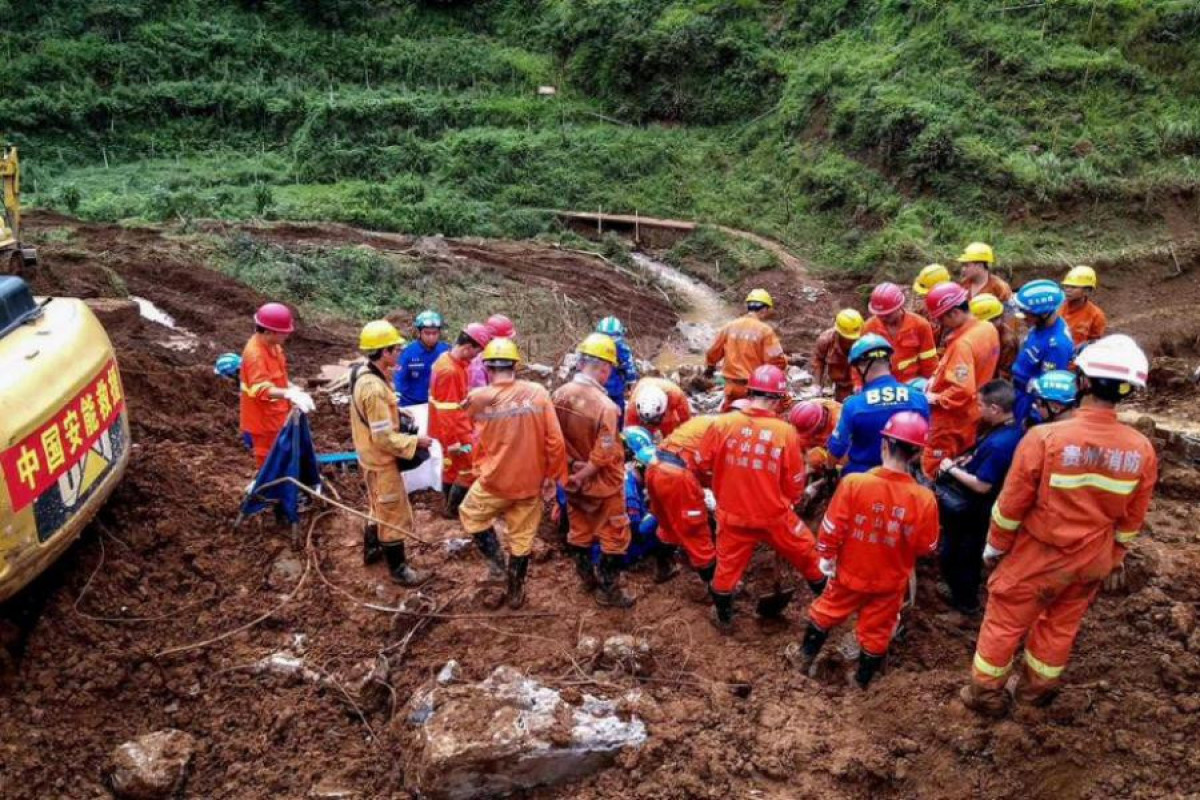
column 164, row 569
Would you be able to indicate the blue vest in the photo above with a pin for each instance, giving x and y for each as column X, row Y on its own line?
column 863, row 416
column 1044, row 349
column 413, row 371
column 624, row 373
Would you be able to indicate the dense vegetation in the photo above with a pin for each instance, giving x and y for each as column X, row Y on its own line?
column 861, row 133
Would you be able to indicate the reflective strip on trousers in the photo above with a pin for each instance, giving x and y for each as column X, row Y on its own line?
column 1041, row 667
column 981, row 665
column 1125, row 537
column 446, row 406
column 1092, row 480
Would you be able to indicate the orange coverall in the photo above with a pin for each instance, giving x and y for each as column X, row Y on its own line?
column 1086, row 321
column 1010, row 345
column 1075, row 497
column 676, row 496
column 758, row 475
column 914, row 351
column 994, row 285
column 972, row 351
column 877, row 526
column 375, row 430
column 520, row 446
column 596, row 510
column 263, row 366
column 448, row 422
column 831, row 356
column 678, row 410
column 815, row 444
column 742, row 346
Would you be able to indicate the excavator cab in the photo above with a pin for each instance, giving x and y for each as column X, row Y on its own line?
column 15, row 257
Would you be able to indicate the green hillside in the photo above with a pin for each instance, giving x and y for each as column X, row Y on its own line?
column 863, row 134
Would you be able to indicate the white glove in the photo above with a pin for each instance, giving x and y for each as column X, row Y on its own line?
column 710, row 500
column 992, row 554
column 828, row 566
column 300, row 399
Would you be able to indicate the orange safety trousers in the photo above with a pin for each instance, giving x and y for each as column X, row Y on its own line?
column 677, row 500
column 602, row 519
column 789, row 537
column 260, row 445
column 457, row 468
column 878, row 614
column 1049, row 612
column 734, row 390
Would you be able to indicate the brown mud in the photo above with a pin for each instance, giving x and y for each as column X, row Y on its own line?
column 163, row 567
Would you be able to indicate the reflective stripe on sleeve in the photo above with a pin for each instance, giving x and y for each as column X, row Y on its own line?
column 256, row 389
column 982, row 665
column 928, row 354
column 908, row 362
column 1125, row 537
column 1003, row 521
column 1040, row 667
column 1092, row 480
column 382, row 425
column 445, row 406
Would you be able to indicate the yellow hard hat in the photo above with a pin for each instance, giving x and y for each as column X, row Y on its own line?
column 377, row 335
column 501, row 349
column 597, row 345
column 1081, row 276
column 986, row 307
column 760, row 296
column 977, row 251
column 849, row 323
column 930, row 277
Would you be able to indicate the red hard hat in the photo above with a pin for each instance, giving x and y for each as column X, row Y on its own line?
column 768, row 379
column 885, row 299
column 944, row 297
column 275, row 317
column 806, row 417
column 501, row 326
column 907, row 426
column 480, row 334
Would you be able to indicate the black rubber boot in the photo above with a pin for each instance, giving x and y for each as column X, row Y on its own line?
column 814, row 640
column 609, row 593
column 583, row 565
column 372, row 550
column 397, row 561
column 489, row 546
column 868, row 665
column 518, row 567
column 665, row 567
column 816, row 587
column 454, row 497
column 722, row 616
column 706, row 573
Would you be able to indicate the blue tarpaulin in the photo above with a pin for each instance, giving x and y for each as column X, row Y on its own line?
column 292, row 456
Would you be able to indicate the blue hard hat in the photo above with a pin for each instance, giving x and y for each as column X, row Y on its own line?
column 871, row 345
column 228, row 365
column 637, row 438
column 1057, row 386
column 919, row 384
column 645, row 455
column 610, row 326
column 428, row 319
column 1039, row 297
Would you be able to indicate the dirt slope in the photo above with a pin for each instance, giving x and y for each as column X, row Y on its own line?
column 164, row 568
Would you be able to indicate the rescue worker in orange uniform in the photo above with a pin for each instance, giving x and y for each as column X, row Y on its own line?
column 520, row 457
column 448, row 422
column 267, row 396
column 977, row 261
column 677, row 497
column 914, row 352
column 1074, row 500
column 972, row 350
column 658, row 405
column 831, row 354
column 1084, row 318
column 595, row 485
column 815, row 421
column 988, row 308
column 929, row 277
column 375, row 428
column 744, row 345
column 877, row 526
column 757, row 476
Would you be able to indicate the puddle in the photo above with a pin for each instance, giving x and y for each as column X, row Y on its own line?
column 183, row 340
column 698, row 325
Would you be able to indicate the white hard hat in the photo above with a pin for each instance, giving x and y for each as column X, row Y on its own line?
column 651, row 403
column 1116, row 357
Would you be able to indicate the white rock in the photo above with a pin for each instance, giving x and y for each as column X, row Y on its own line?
column 510, row 732
column 451, row 672
column 627, row 653
column 152, row 766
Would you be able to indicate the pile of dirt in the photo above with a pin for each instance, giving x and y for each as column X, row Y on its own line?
column 147, row 623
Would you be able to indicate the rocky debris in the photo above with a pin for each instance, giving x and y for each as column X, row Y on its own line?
column 432, row 247
column 1183, row 619
column 329, row 789
column 708, row 402
column 510, row 732
column 631, row 655
column 540, row 370
column 697, row 336
column 285, row 572
column 459, row 546
column 1172, row 374
column 366, row 686
column 567, row 366
column 152, row 766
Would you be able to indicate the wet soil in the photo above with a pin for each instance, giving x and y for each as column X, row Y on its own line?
column 163, row 568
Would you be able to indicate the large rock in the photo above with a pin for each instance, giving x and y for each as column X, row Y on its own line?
column 510, row 732
column 153, row 766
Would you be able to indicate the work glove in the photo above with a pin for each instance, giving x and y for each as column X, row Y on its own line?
column 1115, row 582
column 300, row 399
column 991, row 556
column 828, row 566
column 710, row 500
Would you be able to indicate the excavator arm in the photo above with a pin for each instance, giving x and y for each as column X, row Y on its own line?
column 14, row 256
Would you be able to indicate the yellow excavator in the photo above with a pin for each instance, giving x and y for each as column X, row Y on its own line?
column 64, row 431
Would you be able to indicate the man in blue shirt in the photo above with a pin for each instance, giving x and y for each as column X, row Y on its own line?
column 976, row 476
column 416, row 360
column 1047, row 346
column 626, row 372
column 866, row 412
